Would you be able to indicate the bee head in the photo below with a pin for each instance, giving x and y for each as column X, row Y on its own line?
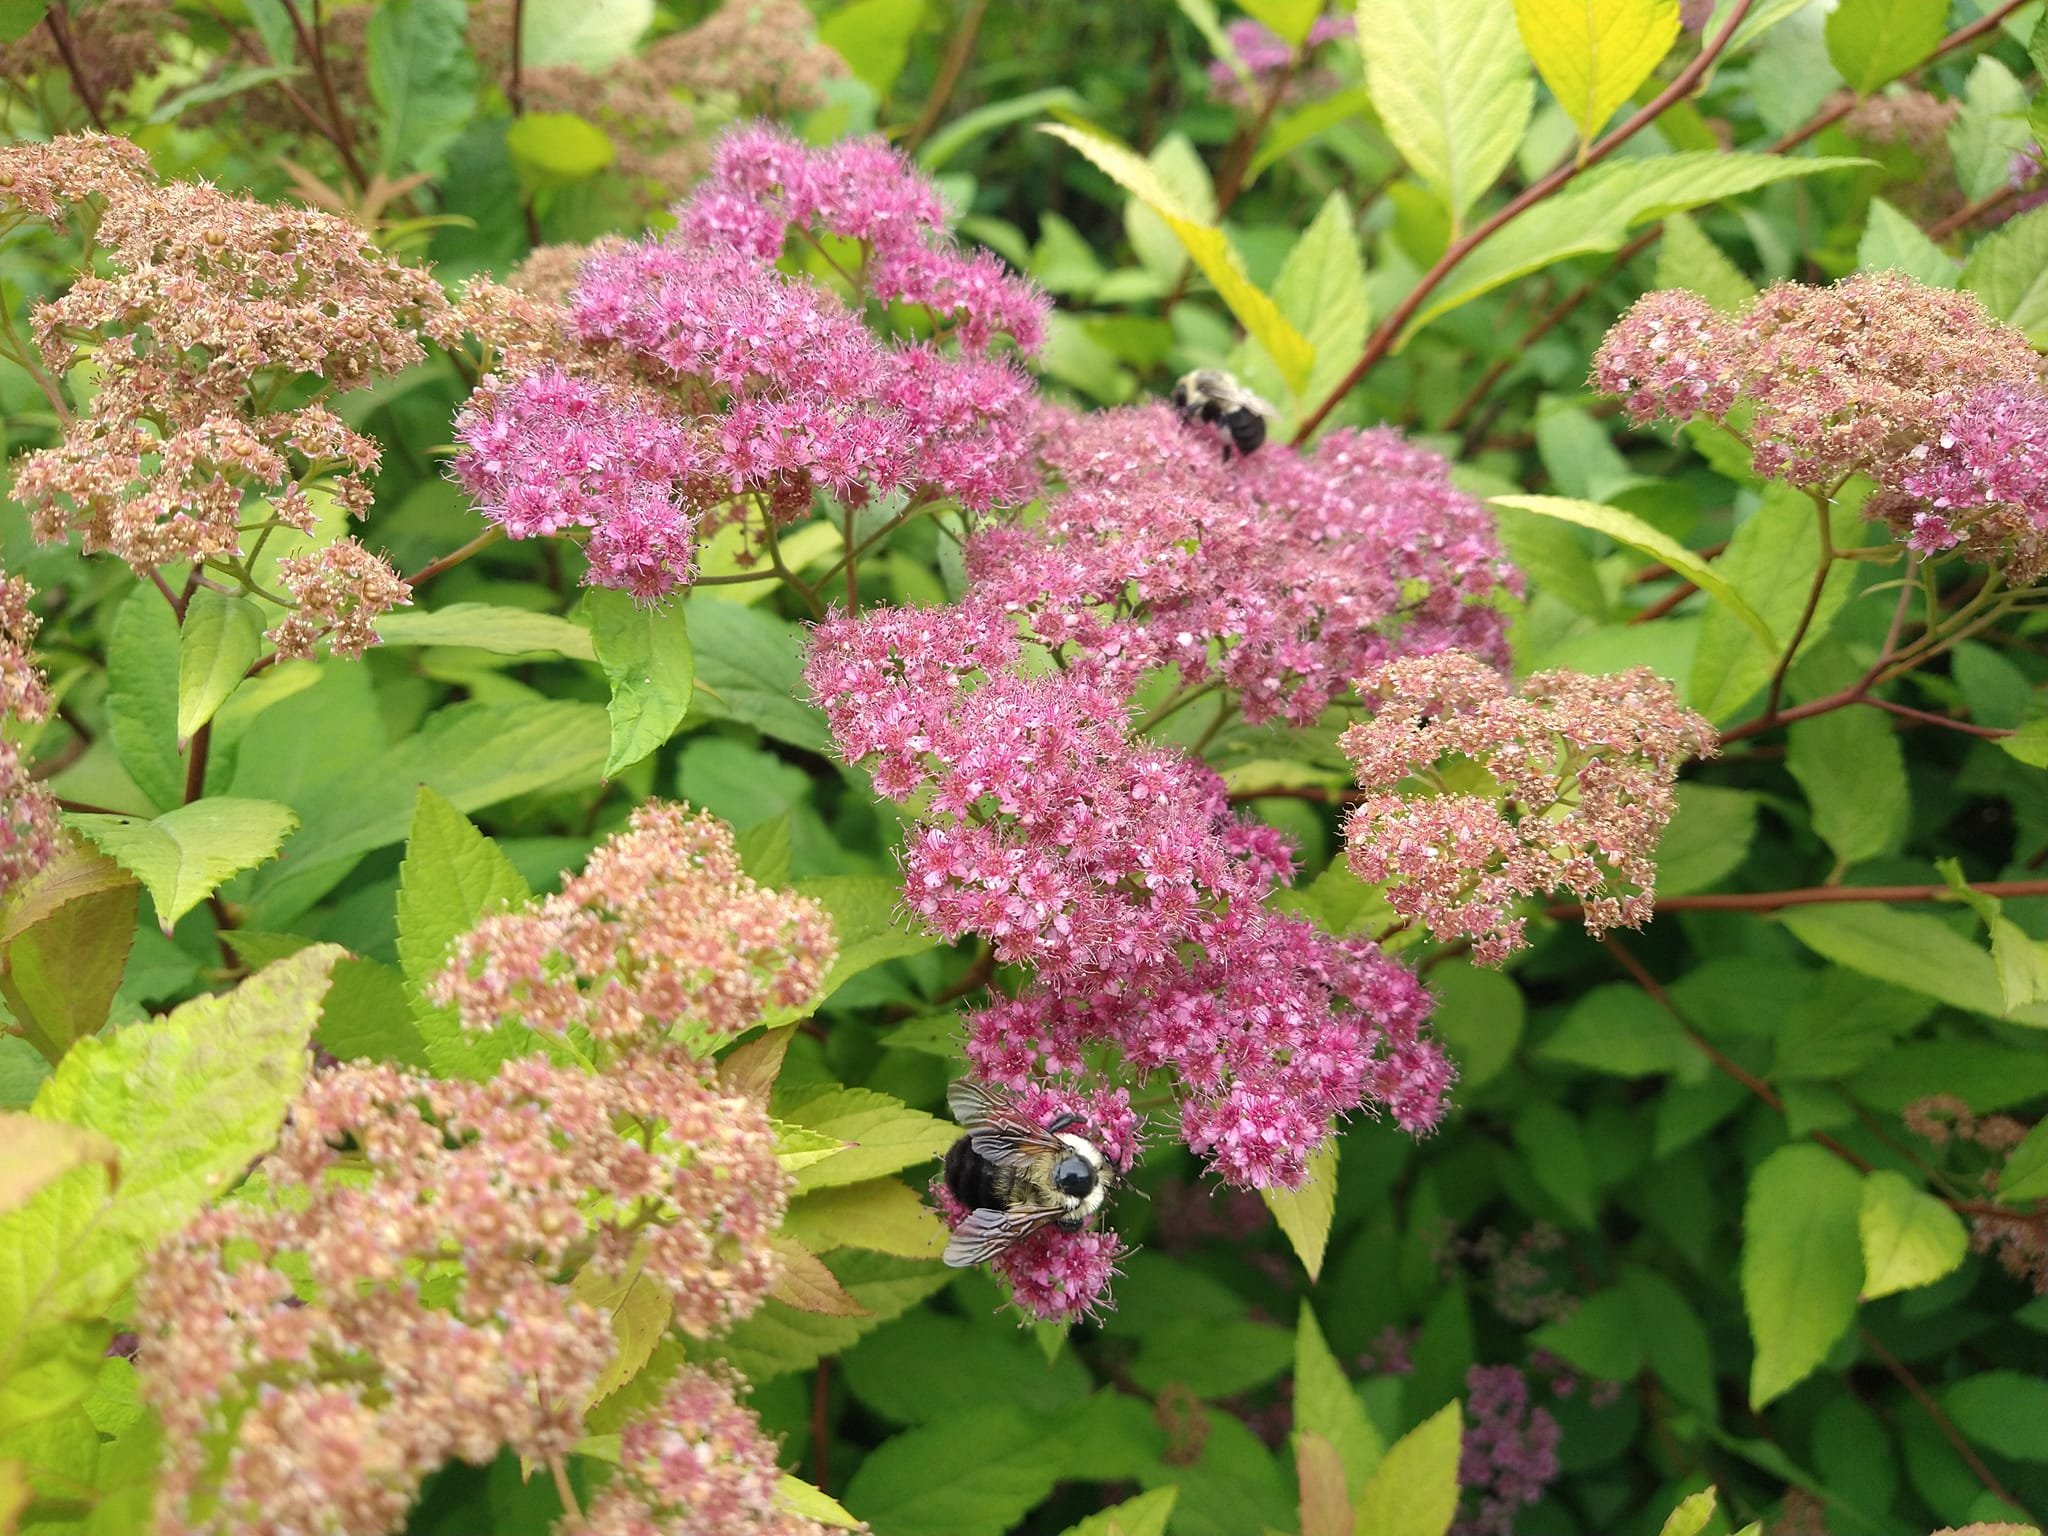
column 1075, row 1177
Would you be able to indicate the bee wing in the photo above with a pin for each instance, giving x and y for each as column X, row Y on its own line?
column 986, row 1233
column 998, row 1130
column 1263, row 407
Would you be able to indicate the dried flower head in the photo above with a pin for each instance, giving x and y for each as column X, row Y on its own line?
column 28, row 811
column 114, row 43
column 1917, row 119
column 340, row 589
column 1839, row 380
column 200, row 309
column 315, row 1349
column 696, row 1463
column 1564, row 788
column 660, row 931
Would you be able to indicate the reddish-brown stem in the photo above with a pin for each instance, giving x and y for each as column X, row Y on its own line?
column 958, row 52
column 1927, row 717
column 1237, row 163
column 1547, row 322
column 195, row 763
column 1664, row 604
column 59, row 24
column 177, row 603
column 1389, row 331
column 1949, row 1432
column 1813, row 596
column 313, row 41
column 455, row 557
column 303, row 107
column 1816, row 896
column 1969, row 213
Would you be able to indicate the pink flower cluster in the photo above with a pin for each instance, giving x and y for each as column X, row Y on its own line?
column 696, row 1463
column 1265, row 56
column 1509, row 1455
column 711, row 382
column 661, row 930
column 1577, row 788
column 311, row 1352
column 1917, row 387
column 1281, row 576
column 1116, row 871
column 28, row 811
column 1982, row 484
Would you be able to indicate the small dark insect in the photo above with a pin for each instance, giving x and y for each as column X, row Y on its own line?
column 1213, row 396
column 1015, row 1175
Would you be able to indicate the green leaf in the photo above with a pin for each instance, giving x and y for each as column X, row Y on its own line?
column 882, row 1135
column 452, row 875
column 368, row 1016
column 217, row 644
column 1853, row 772
column 1674, row 1338
column 1479, row 1016
column 1213, row 1357
column 586, row 33
column 1707, row 839
column 1908, row 949
column 1451, row 84
column 2003, row 1411
column 1910, row 1239
column 39, row 1152
column 142, row 694
column 645, row 653
column 2025, row 1174
column 750, row 668
column 1990, row 128
column 1292, row 19
column 486, row 627
column 1770, row 561
column 866, row 915
column 873, row 36
column 1321, row 291
column 1872, row 41
column 189, row 1099
column 1206, row 246
column 1594, row 53
column 1691, row 1516
column 183, row 856
column 2029, row 744
column 1626, row 528
column 797, row 1148
column 1146, row 1515
column 1305, row 1214
column 973, row 1474
column 879, row 1215
column 18, row 18
column 422, row 79
column 1596, row 212
column 551, row 150
column 807, row 1503
column 1554, row 1152
column 1600, row 1336
column 640, row 1309
column 2008, row 270
column 1843, row 1024
column 969, row 126
column 65, row 935
column 1686, row 258
column 987, row 1360
column 1617, row 1029
column 1415, row 1490
column 1291, row 130
column 1325, row 1405
column 1894, row 243
column 778, row 1339
column 231, row 82
column 1802, row 1264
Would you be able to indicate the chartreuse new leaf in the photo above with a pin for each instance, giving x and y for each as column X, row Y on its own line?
column 1872, row 41
column 1305, row 1214
column 1627, row 528
column 187, row 1100
column 1325, row 1405
column 1206, row 246
column 1802, row 1264
column 646, row 656
column 1146, row 1515
column 1691, row 1516
column 1594, row 53
column 65, row 936
column 1910, row 1238
column 1414, row 1491
column 217, row 644
column 1451, row 85
column 183, row 856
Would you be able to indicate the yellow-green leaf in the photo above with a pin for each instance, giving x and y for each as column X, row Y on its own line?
column 808, row 1503
column 1414, row 1492
column 183, row 855
column 1206, row 246
column 1319, row 1473
column 881, row 1134
column 40, row 1151
column 1305, row 1214
column 1594, row 53
column 1627, row 528
column 880, row 1215
column 1910, row 1239
column 807, row 1285
column 1146, row 1515
column 640, row 1309
column 217, row 644
column 1691, row 1516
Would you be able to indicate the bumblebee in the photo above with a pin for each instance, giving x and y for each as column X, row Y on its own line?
column 1015, row 1175
column 1212, row 396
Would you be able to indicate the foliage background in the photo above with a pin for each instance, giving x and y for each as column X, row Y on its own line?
column 1657, row 1190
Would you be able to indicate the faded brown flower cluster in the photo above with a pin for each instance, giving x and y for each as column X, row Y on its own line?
column 2019, row 1236
column 217, row 329
column 1566, row 788
column 426, row 1270
column 115, row 44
